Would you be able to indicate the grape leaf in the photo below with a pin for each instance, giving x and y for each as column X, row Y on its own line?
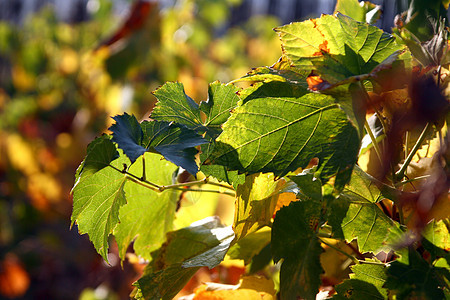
column 175, row 106
column 281, row 127
column 438, row 234
column 337, row 47
column 277, row 73
column 416, row 278
column 221, row 174
column 148, row 215
column 310, row 188
column 294, row 240
column 221, row 100
column 174, row 142
column 363, row 11
column 100, row 153
column 127, row 134
column 250, row 245
column 354, row 215
column 255, row 203
column 366, row 282
column 96, row 201
column 173, row 264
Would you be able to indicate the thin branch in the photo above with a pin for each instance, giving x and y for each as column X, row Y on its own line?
column 354, row 259
column 401, row 173
column 177, row 186
column 374, row 141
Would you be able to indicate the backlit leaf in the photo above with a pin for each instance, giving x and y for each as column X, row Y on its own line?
column 354, row 215
column 255, row 203
column 148, row 215
column 221, row 100
column 310, row 188
column 100, row 153
column 250, row 245
column 363, row 11
column 96, row 202
column 281, row 127
column 294, row 240
column 175, row 106
column 337, row 47
column 204, row 243
column 366, row 282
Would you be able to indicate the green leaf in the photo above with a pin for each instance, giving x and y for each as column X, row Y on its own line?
column 281, row 127
column 255, row 203
column 366, row 282
column 221, row 174
column 100, row 153
column 149, row 214
column 277, row 73
column 310, row 188
column 204, row 243
column 363, row 11
column 175, row 142
column 294, row 240
column 250, row 245
column 127, row 134
column 438, row 234
column 175, row 106
column 362, row 186
column 417, row 278
column 221, row 100
column 364, row 221
column 97, row 198
column 337, row 47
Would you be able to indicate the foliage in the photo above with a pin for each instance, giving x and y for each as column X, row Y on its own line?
column 59, row 85
column 287, row 149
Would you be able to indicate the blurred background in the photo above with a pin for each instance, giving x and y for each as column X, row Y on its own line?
column 65, row 68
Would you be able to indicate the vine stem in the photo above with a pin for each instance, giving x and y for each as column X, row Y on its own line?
column 401, row 173
column 374, row 141
column 177, row 186
column 367, row 127
column 354, row 259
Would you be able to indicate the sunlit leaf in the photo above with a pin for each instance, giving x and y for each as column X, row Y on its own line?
column 96, row 202
column 310, row 188
column 294, row 240
column 250, row 245
column 222, row 174
column 338, row 48
column 363, row 11
column 281, row 127
column 255, row 203
column 221, row 100
column 204, row 243
column 100, row 153
column 355, row 215
column 175, row 106
column 366, row 282
column 148, row 215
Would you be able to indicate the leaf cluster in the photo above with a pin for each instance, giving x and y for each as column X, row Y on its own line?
column 288, row 148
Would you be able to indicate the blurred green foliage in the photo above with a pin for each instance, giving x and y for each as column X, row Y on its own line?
column 59, row 83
